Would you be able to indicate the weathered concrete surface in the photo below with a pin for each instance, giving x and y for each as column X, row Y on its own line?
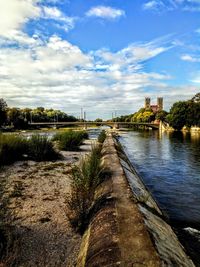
column 127, row 228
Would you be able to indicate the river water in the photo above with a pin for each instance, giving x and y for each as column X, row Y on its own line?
column 169, row 165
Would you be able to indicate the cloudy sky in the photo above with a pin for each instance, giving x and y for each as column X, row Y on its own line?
column 102, row 55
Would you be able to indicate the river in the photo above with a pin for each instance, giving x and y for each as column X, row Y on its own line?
column 169, row 165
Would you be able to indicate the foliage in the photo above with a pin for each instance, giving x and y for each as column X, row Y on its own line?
column 98, row 120
column 70, row 140
column 85, row 178
column 143, row 115
column 102, row 136
column 185, row 113
column 16, row 118
column 161, row 115
column 41, row 149
column 3, row 108
column 12, row 148
column 20, row 118
column 125, row 118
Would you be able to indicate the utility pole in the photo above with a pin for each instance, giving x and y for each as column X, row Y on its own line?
column 85, row 120
column 81, row 113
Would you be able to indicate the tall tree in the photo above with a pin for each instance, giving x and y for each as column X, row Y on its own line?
column 3, row 108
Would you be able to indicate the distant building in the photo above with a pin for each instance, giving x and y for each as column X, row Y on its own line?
column 155, row 108
column 147, row 102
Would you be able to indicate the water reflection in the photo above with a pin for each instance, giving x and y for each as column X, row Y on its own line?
column 170, row 166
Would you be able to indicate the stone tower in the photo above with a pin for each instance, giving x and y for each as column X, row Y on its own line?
column 147, row 102
column 160, row 103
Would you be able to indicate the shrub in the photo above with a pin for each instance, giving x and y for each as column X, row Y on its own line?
column 41, row 149
column 102, row 137
column 12, row 148
column 70, row 140
column 85, row 178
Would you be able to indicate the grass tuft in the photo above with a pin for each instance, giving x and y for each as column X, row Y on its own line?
column 12, row 148
column 85, row 178
column 102, row 136
column 70, row 140
column 41, row 149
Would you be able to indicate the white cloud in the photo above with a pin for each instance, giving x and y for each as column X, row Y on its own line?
column 14, row 14
column 169, row 5
column 105, row 12
column 55, row 73
column 64, row 22
column 190, row 58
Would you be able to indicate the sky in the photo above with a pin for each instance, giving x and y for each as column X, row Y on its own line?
column 104, row 56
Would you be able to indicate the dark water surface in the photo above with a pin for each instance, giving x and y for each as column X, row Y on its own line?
column 169, row 165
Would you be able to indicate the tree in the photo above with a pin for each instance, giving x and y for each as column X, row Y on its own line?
column 16, row 118
column 98, row 120
column 178, row 115
column 161, row 115
column 3, row 108
column 196, row 98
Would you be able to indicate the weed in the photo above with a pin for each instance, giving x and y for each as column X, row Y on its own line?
column 41, row 149
column 12, row 148
column 70, row 140
column 102, row 137
column 85, row 178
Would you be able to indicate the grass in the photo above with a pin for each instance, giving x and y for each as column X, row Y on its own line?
column 12, row 148
column 85, row 179
column 70, row 140
column 102, row 136
column 41, row 149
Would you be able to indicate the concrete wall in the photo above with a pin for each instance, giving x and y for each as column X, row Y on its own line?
column 127, row 227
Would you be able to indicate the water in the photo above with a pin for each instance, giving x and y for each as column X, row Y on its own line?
column 169, row 164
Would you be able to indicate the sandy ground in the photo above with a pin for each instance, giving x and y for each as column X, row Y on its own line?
column 38, row 211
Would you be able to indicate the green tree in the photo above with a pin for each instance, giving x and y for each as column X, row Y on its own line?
column 178, row 115
column 161, row 115
column 3, row 114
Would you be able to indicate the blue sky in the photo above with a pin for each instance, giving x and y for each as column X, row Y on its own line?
column 104, row 56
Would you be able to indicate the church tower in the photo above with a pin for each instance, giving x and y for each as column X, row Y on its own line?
column 160, row 103
column 147, row 104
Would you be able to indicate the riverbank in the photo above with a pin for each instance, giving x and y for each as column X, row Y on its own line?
column 127, row 228
column 37, row 213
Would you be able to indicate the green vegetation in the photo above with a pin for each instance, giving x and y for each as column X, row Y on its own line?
column 19, row 118
column 143, row 115
column 185, row 113
column 85, row 178
column 3, row 108
column 70, row 140
column 102, row 137
column 41, row 149
column 125, row 118
column 12, row 148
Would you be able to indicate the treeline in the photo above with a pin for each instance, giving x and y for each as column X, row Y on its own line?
column 143, row 115
column 185, row 113
column 20, row 118
column 182, row 113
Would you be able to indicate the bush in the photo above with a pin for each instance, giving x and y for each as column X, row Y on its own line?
column 102, row 137
column 41, row 149
column 12, row 148
column 85, row 178
column 70, row 140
